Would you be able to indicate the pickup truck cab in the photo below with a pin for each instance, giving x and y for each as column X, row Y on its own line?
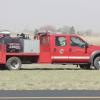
column 69, row 48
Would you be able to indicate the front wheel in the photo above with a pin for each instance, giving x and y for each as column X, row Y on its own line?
column 13, row 63
column 97, row 63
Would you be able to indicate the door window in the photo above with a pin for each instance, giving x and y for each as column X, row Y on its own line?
column 76, row 41
column 60, row 41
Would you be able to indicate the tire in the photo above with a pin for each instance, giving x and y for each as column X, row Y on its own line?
column 2, row 67
column 85, row 66
column 97, row 63
column 13, row 63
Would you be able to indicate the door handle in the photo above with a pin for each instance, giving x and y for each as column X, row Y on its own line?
column 55, row 49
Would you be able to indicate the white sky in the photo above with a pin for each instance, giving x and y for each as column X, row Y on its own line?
column 18, row 15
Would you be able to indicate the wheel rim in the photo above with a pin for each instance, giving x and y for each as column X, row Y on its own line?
column 98, row 63
column 14, row 64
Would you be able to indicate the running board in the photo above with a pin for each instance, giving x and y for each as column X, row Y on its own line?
column 70, row 63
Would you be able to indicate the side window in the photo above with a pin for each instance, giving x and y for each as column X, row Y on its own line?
column 60, row 41
column 76, row 41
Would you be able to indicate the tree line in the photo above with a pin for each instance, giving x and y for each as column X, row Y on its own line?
column 63, row 30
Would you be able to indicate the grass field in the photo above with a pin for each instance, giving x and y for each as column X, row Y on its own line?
column 51, row 77
column 92, row 39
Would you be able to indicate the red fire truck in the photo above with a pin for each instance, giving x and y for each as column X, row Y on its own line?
column 50, row 48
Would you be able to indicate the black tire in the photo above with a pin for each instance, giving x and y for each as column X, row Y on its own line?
column 13, row 63
column 97, row 63
column 2, row 67
column 85, row 66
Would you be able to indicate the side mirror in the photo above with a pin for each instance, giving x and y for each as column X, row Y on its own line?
column 86, row 45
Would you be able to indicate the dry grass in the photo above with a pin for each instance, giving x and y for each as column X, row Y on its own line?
column 50, row 77
column 92, row 39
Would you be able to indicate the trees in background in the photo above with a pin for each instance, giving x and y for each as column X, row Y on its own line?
column 35, row 31
column 52, row 29
column 86, row 32
column 72, row 30
column 47, row 28
column 64, row 30
column 67, row 30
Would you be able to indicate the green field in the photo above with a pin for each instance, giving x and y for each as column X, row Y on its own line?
column 50, row 77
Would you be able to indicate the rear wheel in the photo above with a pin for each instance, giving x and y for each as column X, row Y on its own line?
column 97, row 63
column 13, row 63
column 85, row 66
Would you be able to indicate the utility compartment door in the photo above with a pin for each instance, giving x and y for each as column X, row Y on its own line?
column 31, row 46
column 60, row 49
column 45, row 56
column 2, row 53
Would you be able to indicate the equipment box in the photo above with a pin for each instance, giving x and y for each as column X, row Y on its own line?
column 31, row 46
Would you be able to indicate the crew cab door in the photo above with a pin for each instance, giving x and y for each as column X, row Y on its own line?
column 59, row 49
column 77, row 50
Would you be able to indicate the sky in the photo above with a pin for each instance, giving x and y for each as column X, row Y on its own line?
column 17, row 15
